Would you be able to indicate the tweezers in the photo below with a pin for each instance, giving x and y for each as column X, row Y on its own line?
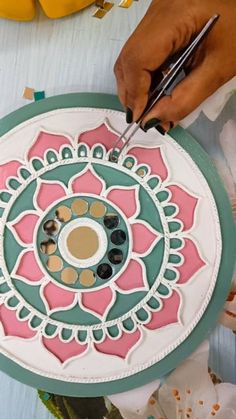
column 162, row 89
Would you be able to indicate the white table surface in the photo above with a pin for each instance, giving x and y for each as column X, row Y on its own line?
column 71, row 55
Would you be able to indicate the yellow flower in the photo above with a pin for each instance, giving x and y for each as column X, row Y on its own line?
column 26, row 9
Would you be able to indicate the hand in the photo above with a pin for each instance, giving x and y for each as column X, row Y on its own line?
column 167, row 27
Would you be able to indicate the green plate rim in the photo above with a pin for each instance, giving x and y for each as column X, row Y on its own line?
column 228, row 228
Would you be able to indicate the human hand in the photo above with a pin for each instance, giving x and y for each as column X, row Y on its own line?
column 167, row 28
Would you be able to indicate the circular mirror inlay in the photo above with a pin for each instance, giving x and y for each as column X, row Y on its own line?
column 48, row 247
column 115, row 256
column 111, row 221
column 87, row 278
column 63, row 214
column 51, row 227
column 97, row 209
column 79, row 244
column 83, row 242
column 79, row 206
column 104, row 271
column 54, row 263
column 69, row 276
column 118, row 237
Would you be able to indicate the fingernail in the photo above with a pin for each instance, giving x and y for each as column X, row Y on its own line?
column 160, row 129
column 151, row 124
column 129, row 116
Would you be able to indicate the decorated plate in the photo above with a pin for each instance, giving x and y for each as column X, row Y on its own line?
column 111, row 272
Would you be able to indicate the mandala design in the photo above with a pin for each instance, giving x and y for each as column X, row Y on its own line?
column 93, row 252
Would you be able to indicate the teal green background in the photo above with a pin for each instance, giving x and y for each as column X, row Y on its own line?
column 225, row 273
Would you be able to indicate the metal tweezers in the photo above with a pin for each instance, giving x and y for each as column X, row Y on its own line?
column 163, row 88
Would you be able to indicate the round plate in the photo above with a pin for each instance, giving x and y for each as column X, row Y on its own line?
column 111, row 272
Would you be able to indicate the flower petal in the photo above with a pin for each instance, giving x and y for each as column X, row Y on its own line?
column 167, row 315
column 135, row 401
column 14, row 327
column 7, row 170
column 87, row 183
column 28, row 267
column 58, row 298
column 101, row 135
column 132, row 277
column 119, row 347
column 49, row 193
column 63, row 350
column 125, row 199
column 143, row 238
column 186, row 203
column 190, row 385
column 226, row 394
column 153, row 158
column 192, row 262
column 98, row 302
column 24, row 228
column 46, row 141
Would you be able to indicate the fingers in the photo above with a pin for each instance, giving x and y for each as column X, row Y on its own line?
column 133, row 84
column 153, row 41
column 137, row 93
column 161, row 127
column 188, row 94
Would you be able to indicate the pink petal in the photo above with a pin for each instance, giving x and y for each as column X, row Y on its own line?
column 49, row 193
column 139, row 230
column 12, row 326
column 25, row 227
column 132, row 277
column 63, row 350
column 57, row 297
column 28, row 267
column 119, row 347
column 125, row 199
column 46, row 141
column 167, row 315
column 153, row 158
column 97, row 301
column 7, row 170
column 100, row 135
column 192, row 262
column 87, row 183
column 186, row 203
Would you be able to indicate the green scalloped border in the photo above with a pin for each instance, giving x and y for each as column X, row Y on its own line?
column 228, row 228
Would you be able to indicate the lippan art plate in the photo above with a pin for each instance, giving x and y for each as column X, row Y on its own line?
column 111, row 273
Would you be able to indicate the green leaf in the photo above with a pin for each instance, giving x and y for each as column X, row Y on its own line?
column 87, row 407
column 114, row 414
column 61, row 406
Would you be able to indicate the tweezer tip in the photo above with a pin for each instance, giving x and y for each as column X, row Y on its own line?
column 113, row 158
column 214, row 18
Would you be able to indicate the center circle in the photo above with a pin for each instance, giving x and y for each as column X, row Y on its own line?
column 83, row 242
